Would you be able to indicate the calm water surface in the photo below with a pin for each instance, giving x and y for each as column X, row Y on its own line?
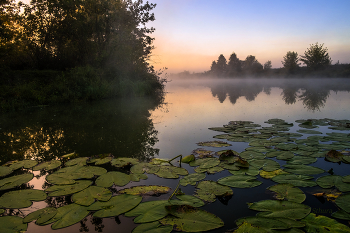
column 143, row 129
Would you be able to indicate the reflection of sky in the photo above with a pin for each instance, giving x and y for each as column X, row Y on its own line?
column 191, row 34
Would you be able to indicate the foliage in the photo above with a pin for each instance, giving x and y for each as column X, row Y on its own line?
column 251, row 65
column 316, row 57
column 267, row 65
column 290, row 62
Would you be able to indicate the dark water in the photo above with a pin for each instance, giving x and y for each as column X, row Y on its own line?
column 143, row 129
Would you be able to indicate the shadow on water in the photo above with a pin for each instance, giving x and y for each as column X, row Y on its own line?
column 120, row 127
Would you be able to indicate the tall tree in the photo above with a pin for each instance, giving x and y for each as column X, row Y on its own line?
column 221, row 65
column 251, row 65
column 267, row 65
column 234, row 66
column 316, row 56
column 290, row 61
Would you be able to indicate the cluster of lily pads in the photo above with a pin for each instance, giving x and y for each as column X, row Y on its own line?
column 92, row 188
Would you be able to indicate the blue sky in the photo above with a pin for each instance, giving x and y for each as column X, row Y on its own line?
column 190, row 34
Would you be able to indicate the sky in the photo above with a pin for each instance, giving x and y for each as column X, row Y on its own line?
column 190, row 34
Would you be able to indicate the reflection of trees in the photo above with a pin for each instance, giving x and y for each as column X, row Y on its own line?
column 313, row 99
column 120, row 127
column 290, row 94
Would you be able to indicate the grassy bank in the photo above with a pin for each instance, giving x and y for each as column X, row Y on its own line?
column 29, row 88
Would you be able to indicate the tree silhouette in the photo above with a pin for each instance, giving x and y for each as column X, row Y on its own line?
column 234, row 66
column 251, row 65
column 221, row 66
column 316, row 57
column 290, row 61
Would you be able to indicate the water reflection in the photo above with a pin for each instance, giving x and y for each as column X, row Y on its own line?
column 313, row 93
column 120, row 127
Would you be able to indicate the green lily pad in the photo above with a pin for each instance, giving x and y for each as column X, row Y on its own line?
column 303, row 169
column 81, row 161
column 4, row 171
column 171, row 172
column 188, row 200
column 301, row 160
column 283, row 155
column 282, row 209
column 49, row 165
column 211, row 170
column 144, row 167
column 136, row 177
column 334, row 156
column 208, row 190
column 14, row 181
column 302, row 152
column 62, row 190
column 100, row 161
column 27, row 163
column 87, row 196
column 269, row 175
column 115, row 206
column 41, row 215
column 2, row 211
column 240, row 181
column 319, row 154
column 214, row 144
column 248, row 155
column 247, row 227
column 321, row 223
column 333, row 180
column 251, row 171
column 263, row 223
column 205, row 162
column 343, row 202
column 67, row 215
column 266, row 164
column 122, row 162
column 117, row 178
column 188, row 159
column 150, row 190
column 189, row 219
column 149, row 211
column 12, row 224
column 346, row 179
column 227, row 166
column 260, row 149
column 287, row 146
column 152, row 227
column 296, row 180
column 192, row 179
column 307, row 148
column 21, row 198
column 309, row 131
column 288, row 192
column 341, row 214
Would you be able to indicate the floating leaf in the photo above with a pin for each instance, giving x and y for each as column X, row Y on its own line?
column 266, row 224
column 13, row 181
column 24, row 163
column 100, row 161
column 346, row 179
column 61, row 190
column 49, row 165
column 12, row 224
column 115, row 206
column 81, row 161
column 307, row 131
column 266, row 164
column 240, row 181
column 296, row 180
column 205, row 163
column 332, row 180
column 288, row 192
column 247, row 227
column 202, row 153
column 41, row 216
column 283, row 209
column 341, row 214
column 321, row 223
column 152, row 227
column 211, row 170
column 21, row 198
column 287, row 146
column 171, row 172
column 148, row 211
column 4, row 171
column 68, row 215
column 283, row 155
column 188, row 200
column 334, row 156
column 117, row 178
column 188, row 159
column 301, row 160
column 227, row 166
column 343, row 202
column 214, row 144
column 150, row 190
column 136, row 177
column 269, row 175
column 248, row 155
column 260, row 149
column 192, row 179
column 122, row 162
column 303, row 169
column 144, row 167
column 208, row 190
column 87, row 196
column 189, row 219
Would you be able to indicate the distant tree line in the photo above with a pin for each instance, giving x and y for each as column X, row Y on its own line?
column 316, row 59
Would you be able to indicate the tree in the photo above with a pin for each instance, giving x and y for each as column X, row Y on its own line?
column 213, row 67
column 251, row 65
column 267, row 65
column 290, row 61
column 234, row 66
column 316, row 57
column 221, row 66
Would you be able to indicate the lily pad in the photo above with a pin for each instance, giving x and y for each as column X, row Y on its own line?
column 122, row 162
column 227, row 166
column 247, row 227
column 288, row 192
column 117, row 178
column 27, row 163
column 150, row 190
column 333, row 180
column 62, row 190
column 205, row 162
column 136, row 177
column 144, row 167
column 303, row 169
column 346, row 179
column 188, row 200
column 192, row 179
column 341, row 214
column 21, row 198
column 211, row 170
column 171, row 172
column 4, row 171
column 81, row 161
column 149, row 211
column 263, row 223
column 115, row 206
column 269, row 175
column 283, row 155
column 12, row 224
column 287, row 146
column 283, row 209
column 152, row 227
column 251, row 171
column 67, row 215
column 266, row 164
column 334, row 156
column 301, row 160
column 240, row 181
column 296, row 180
column 321, row 223
column 248, row 155
column 208, row 190
column 188, row 159
column 49, row 165
column 309, row 131
column 214, row 144
column 13, row 181
column 189, row 219
column 87, row 196
column 41, row 215
column 100, row 161
column 343, row 202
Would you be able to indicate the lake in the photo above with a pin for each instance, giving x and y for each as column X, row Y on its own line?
column 144, row 129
